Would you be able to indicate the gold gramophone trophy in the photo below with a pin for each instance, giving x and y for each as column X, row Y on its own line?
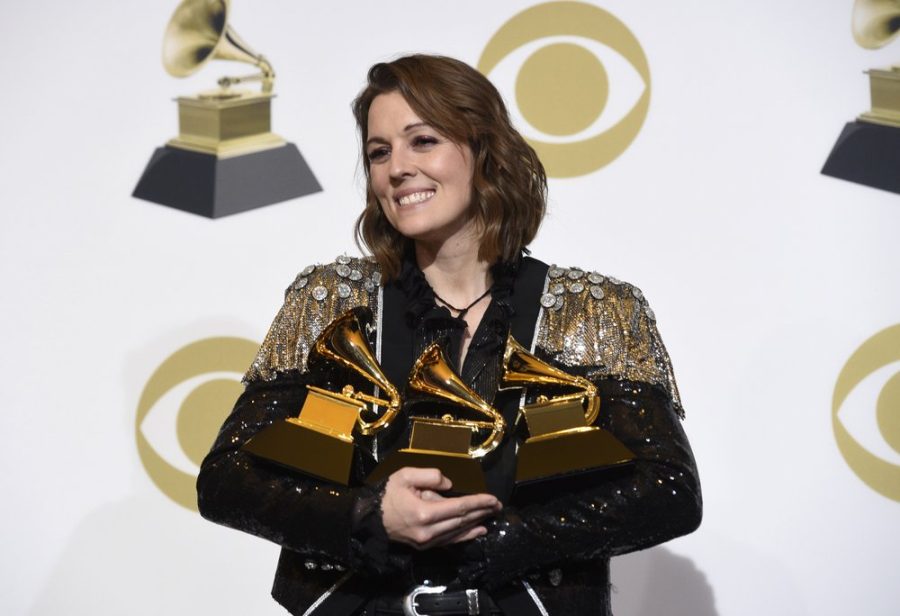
column 562, row 439
column 447, row 442
column 868, row 150
column 319, row 441
column 225, row 159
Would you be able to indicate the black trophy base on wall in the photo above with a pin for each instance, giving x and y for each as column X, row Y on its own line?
column 215, row 187
column 867, row 153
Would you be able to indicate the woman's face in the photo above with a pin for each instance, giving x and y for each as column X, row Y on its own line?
column 422, row 180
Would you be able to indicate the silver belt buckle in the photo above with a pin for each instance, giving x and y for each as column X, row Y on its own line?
column 409, row 601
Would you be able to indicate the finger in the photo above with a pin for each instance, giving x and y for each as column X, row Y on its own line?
column 447, row 531
column 425, row 478
column 459, row 506
column 472, row 533
column 458, row 523
column 431, row 495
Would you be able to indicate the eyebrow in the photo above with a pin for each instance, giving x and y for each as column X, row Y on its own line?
column 406, row 129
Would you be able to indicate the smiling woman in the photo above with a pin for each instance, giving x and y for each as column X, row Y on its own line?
column 421, row 179
column 454, row 197
column 457, row 104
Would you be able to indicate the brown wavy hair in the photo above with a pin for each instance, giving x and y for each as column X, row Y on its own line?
column 509, row 186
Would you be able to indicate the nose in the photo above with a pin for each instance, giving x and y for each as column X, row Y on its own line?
column 402, row 165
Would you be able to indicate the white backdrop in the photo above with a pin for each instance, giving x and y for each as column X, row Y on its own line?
column 764, row 274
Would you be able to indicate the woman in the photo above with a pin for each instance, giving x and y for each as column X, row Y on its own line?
column 454, row 197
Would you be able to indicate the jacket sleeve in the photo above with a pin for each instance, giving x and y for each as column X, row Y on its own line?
column 656, row 499
column 334, row 526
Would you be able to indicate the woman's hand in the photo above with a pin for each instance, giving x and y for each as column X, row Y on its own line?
column 414, row 513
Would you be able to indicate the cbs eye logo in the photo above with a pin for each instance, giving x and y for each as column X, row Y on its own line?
column 871, row 374
column 558, row 58
column 190, row 394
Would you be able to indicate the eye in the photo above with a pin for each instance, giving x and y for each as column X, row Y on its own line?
column 182, row 407
column 424, row 141
column 865, row 414
column 577, row 81
column 378, row 154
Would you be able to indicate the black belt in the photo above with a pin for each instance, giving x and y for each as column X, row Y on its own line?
column 427, row 600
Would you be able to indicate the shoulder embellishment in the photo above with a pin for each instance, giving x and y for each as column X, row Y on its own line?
column 604, row 325
column 318, row 295
column 566, row 282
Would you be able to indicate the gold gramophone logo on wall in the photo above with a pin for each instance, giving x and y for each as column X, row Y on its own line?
column 875, row 24
column 576, row 116
column 868, row 150
column 877, row 356
column 225, row 159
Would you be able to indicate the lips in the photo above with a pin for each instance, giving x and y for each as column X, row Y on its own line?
column 413, row 197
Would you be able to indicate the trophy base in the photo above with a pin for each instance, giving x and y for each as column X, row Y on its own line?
column 542, row 458
column 210, row 186
column 464, row 471
column 867, row 153
column 305, row 450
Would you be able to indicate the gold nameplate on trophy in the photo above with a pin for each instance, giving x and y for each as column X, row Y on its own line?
column 447, row 442
column 319, row 441
column 561, row 439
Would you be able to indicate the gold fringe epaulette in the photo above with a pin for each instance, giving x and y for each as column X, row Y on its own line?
column 318, row 295
column 597, row 321
column 587, row 320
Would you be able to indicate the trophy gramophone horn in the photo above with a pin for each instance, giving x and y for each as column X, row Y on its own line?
column 446, row 442
column 876, row 22
column 344, row 343
column 319, row 441
column 433, row 375
column 522, row 369
column 199, row 32
column 562, row 439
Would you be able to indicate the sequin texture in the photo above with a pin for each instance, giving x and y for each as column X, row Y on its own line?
column 611, row 339
column 307, row 309
column 610, row 328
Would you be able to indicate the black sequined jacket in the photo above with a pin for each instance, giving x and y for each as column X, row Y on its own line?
column 548, row 555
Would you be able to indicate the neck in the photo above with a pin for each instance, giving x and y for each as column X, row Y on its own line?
column 454, row 271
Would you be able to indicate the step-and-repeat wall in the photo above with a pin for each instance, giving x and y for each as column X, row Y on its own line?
column 684, row 142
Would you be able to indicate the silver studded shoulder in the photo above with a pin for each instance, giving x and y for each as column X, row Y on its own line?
column 316, row 297
column 563, row 283
column 601, row 323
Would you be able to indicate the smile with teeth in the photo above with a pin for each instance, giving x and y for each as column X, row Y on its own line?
column 416, row 197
